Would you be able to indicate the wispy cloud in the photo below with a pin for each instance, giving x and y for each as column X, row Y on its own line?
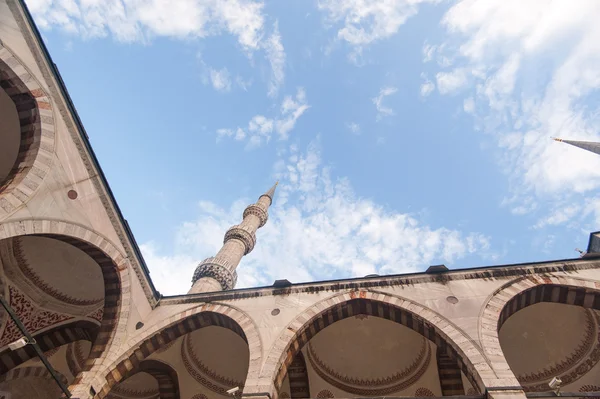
column 260, row 128
column 527, row 71
column 320, row 227
column 382, row 110
column 354, row 127
column 364, row 22
column 141, row 21
column 427, row 87
column 220, row 79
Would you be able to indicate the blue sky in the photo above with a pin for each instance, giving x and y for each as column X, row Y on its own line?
column 403, row 133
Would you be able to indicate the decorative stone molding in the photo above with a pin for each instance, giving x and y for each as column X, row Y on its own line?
column 36, row 150
column 214, row 268
column 239, row 233
column 257, row 211
column 325, row 393
column 424, row 393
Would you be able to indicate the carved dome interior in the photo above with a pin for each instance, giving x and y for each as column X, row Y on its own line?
column 365, row 356
column 52, row 285
column 208, row 362
column 549, row 339
column 10, row 135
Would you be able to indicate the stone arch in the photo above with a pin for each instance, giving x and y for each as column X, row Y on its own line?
column 114, row 268
column 298, row 377
column 152, row 338
column 523, row 292
column 449, row 338
column 165, row 375
column 48, row 341
column 36, row 371
column 37, row 141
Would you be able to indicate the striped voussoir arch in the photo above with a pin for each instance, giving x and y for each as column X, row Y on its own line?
column 101, row 337
column 526, row 291
column 550, row 292
column 35, row 371
column 450, row 375
column 112, row 294
column 155, row 337
column 48, row 340
column 36, row 121
column 166, row 376
column 298, row 378
column 116, row 281
column 420, row 319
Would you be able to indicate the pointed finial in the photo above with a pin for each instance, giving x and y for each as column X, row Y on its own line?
column 271, row 192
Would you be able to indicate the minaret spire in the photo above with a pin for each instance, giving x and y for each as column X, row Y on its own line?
column 218, row 273
column 586, row 145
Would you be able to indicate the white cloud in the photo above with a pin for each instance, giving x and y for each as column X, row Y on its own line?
column 365, row 21
column 291, row 110
column 354, row 127
column 533, row 66
column 451, row 82
column 260, row 128
column 141, row 21
column 220, row 79
column 382, row 110
column 276, row 57
column 319, row 228
column 427, row 87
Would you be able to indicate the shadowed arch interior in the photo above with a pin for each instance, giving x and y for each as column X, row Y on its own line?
column 554, row 293
column 570, row 347
column 363, row 306
column 35, row 142
column 100, row 336
column 131, row 365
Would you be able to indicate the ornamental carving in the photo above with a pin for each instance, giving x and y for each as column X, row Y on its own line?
column 582, row 360
column 424, row 393
column 377, row 386
column 210, row 267
column 238, row 233
column 204, row 375
column 325, row 393
column 257, row 211
column 120, row 392
column 34, row 319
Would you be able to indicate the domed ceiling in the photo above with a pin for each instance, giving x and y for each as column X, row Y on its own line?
column 48, row 282
column 547, row 340
column 213, row 359
column 369, row 356
column 139, row 386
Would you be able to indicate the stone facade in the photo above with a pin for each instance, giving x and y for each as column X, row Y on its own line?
column 438, row 333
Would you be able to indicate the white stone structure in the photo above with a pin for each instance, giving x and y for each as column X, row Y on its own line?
column 72, row 272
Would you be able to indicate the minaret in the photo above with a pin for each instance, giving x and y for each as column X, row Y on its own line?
column 586, row 145
column 218, row 273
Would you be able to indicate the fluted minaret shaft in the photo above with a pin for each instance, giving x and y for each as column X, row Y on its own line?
column 218, row 273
